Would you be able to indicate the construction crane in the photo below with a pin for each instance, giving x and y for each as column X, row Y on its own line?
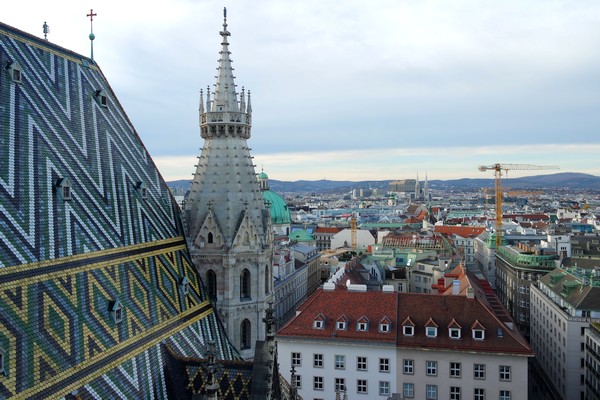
column 498, row 168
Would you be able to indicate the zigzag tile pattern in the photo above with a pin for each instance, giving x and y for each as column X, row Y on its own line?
column 64, row 263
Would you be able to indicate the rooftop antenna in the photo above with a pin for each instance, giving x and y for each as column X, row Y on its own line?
column 92, row 14
column 46, row 30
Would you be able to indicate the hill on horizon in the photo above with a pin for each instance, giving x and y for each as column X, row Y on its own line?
column 561, row 180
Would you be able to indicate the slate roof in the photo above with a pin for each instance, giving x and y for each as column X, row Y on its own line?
column 65, row 260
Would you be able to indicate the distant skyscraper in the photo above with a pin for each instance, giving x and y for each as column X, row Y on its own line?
column 228, row 224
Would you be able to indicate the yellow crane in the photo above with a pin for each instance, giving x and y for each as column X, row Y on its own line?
column 498, row 168
column 353, row 240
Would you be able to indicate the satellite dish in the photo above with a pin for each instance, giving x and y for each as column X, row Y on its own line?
column 348, row 282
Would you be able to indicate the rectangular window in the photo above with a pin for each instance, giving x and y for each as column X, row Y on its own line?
column 408, row 390
column 409, row 367
column 318, row 383
column 361, row 363
column 340, row 362
column 479, row 371
column 454, row 393
column 479, row 394
column 318, row 360
column 431, row 331
column 454, row 370
column 455, row 333
column 431, row 368
column 384, row 388
column 431, row 392
column 297, row 359
column 340, row 384
column 297, row 381
column 384, row 365
column 505, row 372
column 505, row 395
column 361, row 386
column 361, row 326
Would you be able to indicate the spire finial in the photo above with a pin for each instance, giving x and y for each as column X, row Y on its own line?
column 225, row 32
column 46, row 30
column 92, row 14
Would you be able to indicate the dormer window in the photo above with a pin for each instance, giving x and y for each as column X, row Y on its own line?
column 431, row 328
column 454, row 329
column 319, row 322
column 384, row 325
column 116, row 311
column 362, row 325
column 478, row 331
column 15, row 72
column 101, row 98
column 63, row 188
column 408, row 327
column 3, row 369
column 141, row 189
column 184, row 284
column 341, row 323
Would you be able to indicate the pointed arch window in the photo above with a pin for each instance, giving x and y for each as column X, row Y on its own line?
column 211, row 284
column 211, row 238
column 267, row 280
column 245, row 286
column 245, row 335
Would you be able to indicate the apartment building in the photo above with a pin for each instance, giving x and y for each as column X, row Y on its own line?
column 563, row 304
column 423, row 346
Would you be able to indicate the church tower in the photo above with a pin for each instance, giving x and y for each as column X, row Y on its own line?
column 228, row 227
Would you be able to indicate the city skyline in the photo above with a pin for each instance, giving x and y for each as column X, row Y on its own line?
column 353, row 92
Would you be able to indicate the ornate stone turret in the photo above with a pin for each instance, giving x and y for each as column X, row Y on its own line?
column 228, row 228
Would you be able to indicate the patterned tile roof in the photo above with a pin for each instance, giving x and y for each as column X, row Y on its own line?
column 92, row 254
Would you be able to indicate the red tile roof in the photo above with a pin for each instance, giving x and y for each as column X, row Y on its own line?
column 443, row 310
column 353, row 305
column 462, row 231
column 326, row 229
column 400, row 308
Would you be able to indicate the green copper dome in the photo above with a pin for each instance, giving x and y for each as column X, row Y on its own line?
column 280, row 214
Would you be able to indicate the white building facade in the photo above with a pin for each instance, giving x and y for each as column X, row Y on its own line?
column 563, row 304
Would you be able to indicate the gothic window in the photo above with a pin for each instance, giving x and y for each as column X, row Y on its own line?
column 245, row 335
column 210, row 237
column 211, row 284
column 245, row 284
column 267, row 280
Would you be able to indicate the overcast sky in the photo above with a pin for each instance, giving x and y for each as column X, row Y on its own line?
column 358, row 90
